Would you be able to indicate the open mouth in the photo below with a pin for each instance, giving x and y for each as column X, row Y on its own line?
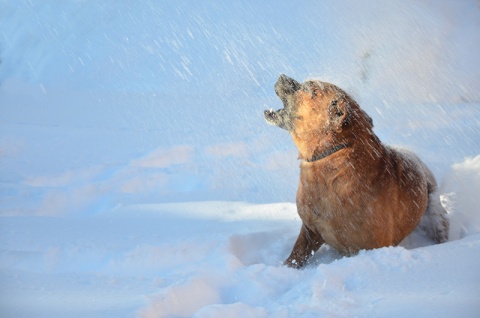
column 285, row 89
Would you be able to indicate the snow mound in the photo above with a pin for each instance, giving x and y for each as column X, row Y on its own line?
column 224, row 259
column 461, row 189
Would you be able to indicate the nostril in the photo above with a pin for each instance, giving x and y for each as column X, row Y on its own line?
column 283, row 78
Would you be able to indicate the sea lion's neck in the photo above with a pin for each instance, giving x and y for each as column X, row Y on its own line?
column 316, row 146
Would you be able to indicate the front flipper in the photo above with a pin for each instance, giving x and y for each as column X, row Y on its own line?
column 308, row 242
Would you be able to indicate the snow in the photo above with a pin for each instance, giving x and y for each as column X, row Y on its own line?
column 138, row 177
column 211, row 259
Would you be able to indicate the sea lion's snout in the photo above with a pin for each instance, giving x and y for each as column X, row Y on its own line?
column 286, row 86
column 285, row 89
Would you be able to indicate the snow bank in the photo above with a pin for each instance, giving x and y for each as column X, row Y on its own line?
column 461, row 187
column 211, row 259
column 385, row 282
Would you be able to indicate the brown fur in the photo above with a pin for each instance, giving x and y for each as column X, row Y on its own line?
column 363, row 196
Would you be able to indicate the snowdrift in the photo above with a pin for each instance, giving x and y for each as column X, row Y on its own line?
column 212, row 259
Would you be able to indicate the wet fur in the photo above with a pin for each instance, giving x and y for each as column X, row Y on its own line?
column 363, row 196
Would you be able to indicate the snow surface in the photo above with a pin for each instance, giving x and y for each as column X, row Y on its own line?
column 138, row 177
